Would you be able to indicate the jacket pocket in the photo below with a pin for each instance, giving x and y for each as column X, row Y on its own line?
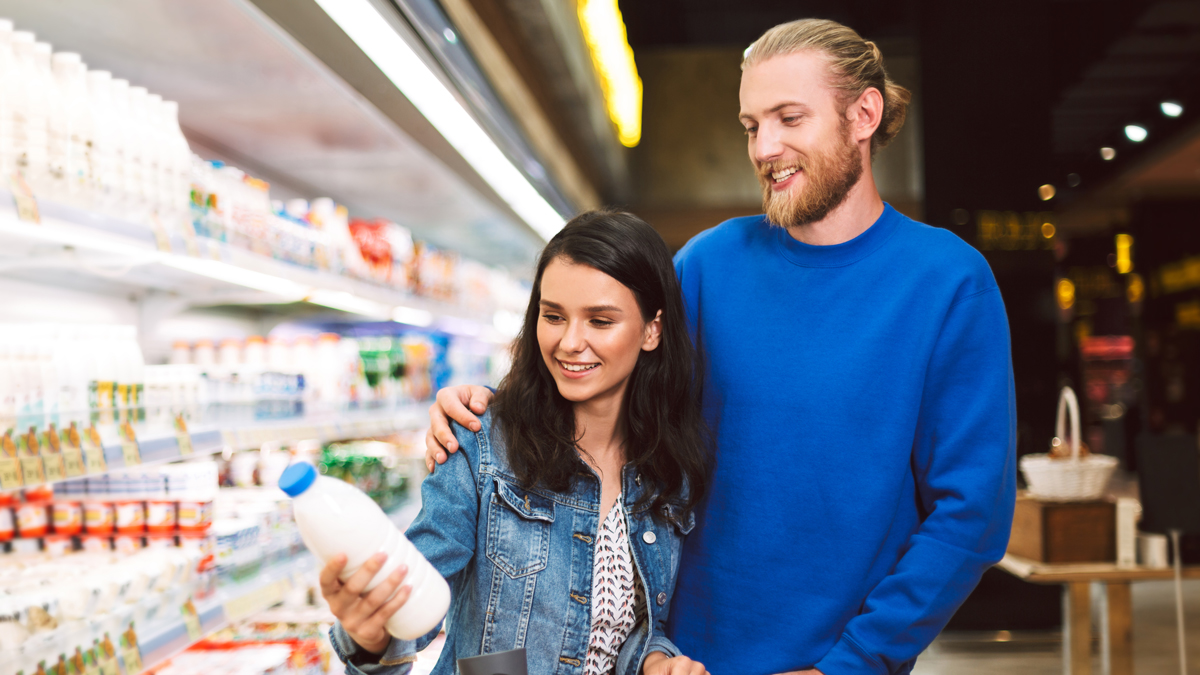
column 518, row 538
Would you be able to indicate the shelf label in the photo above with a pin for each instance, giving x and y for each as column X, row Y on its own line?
column 28, row 449
column 129, row 445
column 52, row 457
column 72, row 452
column 182, row 437
column 93, row 451
column 10, row 468
column 255, row 601
column 131, row 653
column 26, row 203
column 191, row 621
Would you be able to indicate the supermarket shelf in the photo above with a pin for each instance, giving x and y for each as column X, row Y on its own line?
column 160, row 449
column 79, row 249
column 243, row 599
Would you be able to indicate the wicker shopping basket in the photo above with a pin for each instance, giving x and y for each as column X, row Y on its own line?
column 1068, row 479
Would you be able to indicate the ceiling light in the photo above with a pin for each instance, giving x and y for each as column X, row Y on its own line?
column 612, row 56
column 1046, row 192
column 409, row 72
column 1107, row 154
column 413, row 317
column 1136, row 133
column 1171, row 108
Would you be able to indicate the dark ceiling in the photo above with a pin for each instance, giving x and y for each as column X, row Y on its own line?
column 1101, row 64
column 665, row 23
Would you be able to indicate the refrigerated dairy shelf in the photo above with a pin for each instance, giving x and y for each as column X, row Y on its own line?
column 170, row 633
column 247, row 597
column 75, row 248
column 161, row 448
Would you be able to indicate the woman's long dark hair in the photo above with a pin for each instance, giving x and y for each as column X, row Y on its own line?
column 665, row 438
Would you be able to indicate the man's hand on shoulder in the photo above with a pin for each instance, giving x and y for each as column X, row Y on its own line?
column 460, row 404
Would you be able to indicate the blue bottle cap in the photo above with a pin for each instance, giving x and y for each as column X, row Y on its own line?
column 297, row 478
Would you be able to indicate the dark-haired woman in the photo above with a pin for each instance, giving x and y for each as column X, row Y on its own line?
column 560, row 522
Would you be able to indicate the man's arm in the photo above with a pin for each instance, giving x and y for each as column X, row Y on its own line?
column 457, row 404
column 964, row 464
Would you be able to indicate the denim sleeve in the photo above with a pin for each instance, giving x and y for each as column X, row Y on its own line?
column 397, row 660
column 444, row 532
column 964, row 461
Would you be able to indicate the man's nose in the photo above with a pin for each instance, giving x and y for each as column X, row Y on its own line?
column 767, row 146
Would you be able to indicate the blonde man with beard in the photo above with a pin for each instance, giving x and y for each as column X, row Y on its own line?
column 859, row 386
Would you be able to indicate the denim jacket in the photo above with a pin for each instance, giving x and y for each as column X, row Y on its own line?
column 519, row 564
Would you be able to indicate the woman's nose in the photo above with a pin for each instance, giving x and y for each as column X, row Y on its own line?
column 574, row 338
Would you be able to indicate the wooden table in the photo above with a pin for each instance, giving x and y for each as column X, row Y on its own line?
column 1116, row 616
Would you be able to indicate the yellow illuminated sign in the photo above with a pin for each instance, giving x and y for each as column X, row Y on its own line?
column 1124, row 259
column 604, row 31
column 1065, row 293
column 1012, row 231
column 1135, row 289
column 1180, row 276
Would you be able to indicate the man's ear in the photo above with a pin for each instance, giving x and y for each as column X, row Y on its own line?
column 865, row 114
column 653, row 333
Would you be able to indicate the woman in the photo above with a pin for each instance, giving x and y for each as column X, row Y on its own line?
column 560, row 522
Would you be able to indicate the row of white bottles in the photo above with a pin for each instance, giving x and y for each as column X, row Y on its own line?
column 63, row 374
column 86, row 139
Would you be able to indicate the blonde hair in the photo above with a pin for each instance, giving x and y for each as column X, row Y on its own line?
column 856, row 64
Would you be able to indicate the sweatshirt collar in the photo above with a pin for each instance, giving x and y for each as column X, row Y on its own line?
column 838, row 255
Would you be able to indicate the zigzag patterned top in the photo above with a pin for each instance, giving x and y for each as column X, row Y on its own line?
column 618, row 601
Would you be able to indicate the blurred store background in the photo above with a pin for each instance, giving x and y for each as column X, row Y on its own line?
column 253, row 227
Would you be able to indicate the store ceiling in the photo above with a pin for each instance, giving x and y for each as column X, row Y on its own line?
column 250, row 96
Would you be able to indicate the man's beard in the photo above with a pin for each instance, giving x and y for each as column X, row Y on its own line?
column 829, row 176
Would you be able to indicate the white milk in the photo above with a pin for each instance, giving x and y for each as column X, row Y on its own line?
column 335, row 517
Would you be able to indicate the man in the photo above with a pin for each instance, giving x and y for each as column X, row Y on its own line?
column 859, row 385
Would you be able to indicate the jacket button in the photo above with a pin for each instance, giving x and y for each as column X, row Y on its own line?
column 649, row 537
column 661, row 599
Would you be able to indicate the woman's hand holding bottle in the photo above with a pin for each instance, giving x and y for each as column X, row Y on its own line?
column 363, row 616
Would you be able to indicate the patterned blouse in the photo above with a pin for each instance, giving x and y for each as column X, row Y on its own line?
column 617, row 596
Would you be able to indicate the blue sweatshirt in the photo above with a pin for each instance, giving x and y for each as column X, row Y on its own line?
column 862, row 399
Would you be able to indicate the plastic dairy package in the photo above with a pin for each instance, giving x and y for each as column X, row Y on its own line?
column 336, row 517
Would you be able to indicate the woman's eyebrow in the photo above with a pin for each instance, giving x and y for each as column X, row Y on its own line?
column 551, row 305
column 604, row 308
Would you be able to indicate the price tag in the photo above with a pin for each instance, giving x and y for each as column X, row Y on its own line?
column 72, row 452
column 54, row 467
column 93, row 451
column 191, row 621
column 182, row 437
column 26, row 203
column 10, row 469
column 129, row 445
column 131, row 653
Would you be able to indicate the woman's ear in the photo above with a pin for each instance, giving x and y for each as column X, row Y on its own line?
column 653, row 333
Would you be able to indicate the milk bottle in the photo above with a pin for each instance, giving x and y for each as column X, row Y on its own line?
column 335, row 517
